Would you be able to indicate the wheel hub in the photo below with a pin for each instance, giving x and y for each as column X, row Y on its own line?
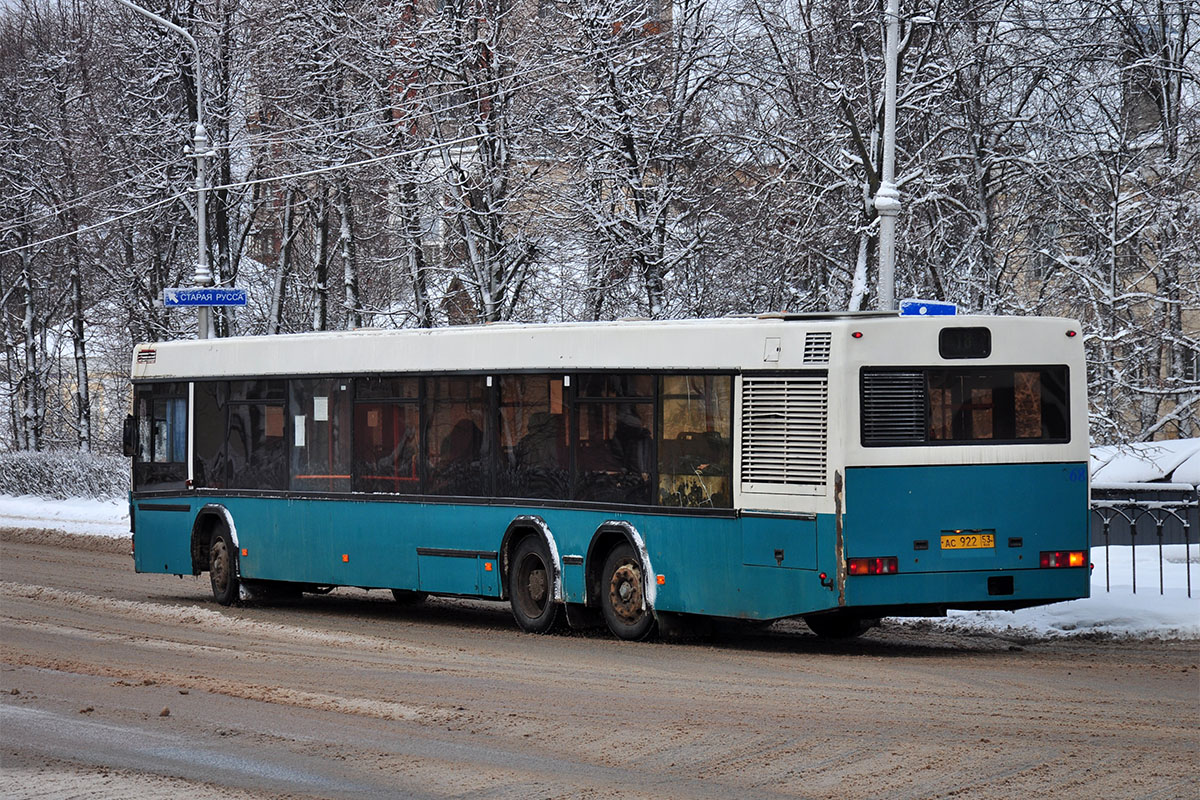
column 625, row 592
column 537, row 586
column 219, row 566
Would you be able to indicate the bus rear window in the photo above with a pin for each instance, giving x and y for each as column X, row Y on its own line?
column 965, row 405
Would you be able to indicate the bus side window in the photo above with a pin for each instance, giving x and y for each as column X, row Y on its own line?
column 533, row 457
column 257, row 450
column 386, row 435
column 455, row 436
column 320, row 413
column 695, row 448
column 209, row 462
column 615, row 438
column 160, row 457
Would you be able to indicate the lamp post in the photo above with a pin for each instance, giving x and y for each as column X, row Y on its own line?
column 203, row 274
column 887, row 197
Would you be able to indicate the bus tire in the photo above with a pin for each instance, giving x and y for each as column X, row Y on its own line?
column 223, row 566
column 531, row 586
column 838, row 625
column 406, row 598
column 623, row 595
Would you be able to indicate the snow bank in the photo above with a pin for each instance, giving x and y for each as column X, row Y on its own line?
column 1117, row 612
column 88, row 517
column 1144, row 462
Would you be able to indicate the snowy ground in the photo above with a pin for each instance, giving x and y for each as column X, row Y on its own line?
column 1117, row 612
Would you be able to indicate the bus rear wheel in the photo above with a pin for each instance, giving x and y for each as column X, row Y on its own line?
column 222, row 566
column 623, row 595
column 531, row 586
column 838, row 625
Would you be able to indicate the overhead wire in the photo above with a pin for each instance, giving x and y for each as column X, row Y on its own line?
column 81, row 200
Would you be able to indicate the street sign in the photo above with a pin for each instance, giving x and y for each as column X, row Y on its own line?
column 204, row 296
column 927, row 308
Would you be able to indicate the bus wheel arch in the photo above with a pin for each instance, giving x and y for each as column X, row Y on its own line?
column 531, row 574
column 215, row 536
column 620, row 580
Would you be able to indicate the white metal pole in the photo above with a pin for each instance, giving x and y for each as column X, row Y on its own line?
column 887, row 197
column 203, row 274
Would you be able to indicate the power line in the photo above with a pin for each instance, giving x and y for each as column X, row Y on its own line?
column 94, row 226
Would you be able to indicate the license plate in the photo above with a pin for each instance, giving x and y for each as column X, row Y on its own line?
column 968, row 541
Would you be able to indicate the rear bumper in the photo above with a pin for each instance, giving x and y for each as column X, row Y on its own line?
column 929, row 594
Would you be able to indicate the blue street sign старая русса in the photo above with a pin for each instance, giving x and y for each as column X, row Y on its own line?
column 927, row 308
column 204, row 296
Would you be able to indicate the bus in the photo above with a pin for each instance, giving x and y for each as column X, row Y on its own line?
column 838, row 468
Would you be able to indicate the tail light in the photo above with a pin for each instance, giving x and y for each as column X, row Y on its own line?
column 1063, row 558
column 888, row 565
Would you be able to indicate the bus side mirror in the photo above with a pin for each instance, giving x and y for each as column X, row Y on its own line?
column 129, row 436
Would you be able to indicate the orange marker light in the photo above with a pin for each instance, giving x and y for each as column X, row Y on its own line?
column 245, row 552
column 487, row 566
column 662, row 580
column 345, row 558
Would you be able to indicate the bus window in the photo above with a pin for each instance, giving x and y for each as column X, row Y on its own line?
column 320, row 411
column 160, row 461
column 533, row 459
column 963, row 405
column 998, row 404
column 454, row 440
column 615, row 439
column 386, row 435
column 257, row 450
column 210, row 465
column 695, row 452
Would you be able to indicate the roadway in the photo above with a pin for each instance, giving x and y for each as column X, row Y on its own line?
column 114, row 684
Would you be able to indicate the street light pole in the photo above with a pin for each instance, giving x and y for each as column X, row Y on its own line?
column 887, row 197
column 203, row 274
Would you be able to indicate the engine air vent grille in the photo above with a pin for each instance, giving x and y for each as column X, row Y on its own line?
column 816, row 347
column 784, row 430
column 893, row 407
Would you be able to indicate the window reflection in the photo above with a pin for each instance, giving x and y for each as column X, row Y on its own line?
column 320, row 411
column 257, row 451
column 455, row 423
column 615, row 452
column 160, row 461
column 695, row 454
column 533, row 459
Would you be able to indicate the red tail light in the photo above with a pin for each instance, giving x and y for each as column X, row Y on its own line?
column 1064, row 558
column 888, row 565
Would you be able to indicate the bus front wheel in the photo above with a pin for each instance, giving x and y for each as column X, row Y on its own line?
column 406, row 598
column 531, row 586
column 623, row 595
column 222, row 566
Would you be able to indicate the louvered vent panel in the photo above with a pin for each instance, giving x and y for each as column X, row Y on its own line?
column 893, row 408
column 816, row 347
column 784, row 430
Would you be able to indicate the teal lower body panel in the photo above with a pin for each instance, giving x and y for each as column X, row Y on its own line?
column 162, row 535
column 753, row 568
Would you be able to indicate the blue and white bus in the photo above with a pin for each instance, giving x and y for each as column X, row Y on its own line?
column 838, row 468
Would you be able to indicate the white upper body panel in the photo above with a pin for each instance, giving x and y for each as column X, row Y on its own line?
column 742, row 345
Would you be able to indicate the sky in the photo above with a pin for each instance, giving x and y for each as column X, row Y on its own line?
column 1117, row 611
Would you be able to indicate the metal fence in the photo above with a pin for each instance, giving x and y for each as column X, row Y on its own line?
column 1144, row 518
